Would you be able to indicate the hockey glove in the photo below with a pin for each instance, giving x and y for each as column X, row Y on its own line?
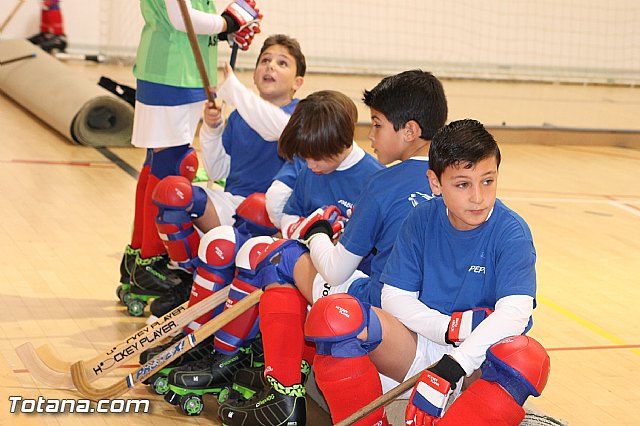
column 326, row 221
column 432, row 391
column 240, row 14
column 244, row 37
column 463, row 323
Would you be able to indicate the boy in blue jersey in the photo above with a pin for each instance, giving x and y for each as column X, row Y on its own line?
column 406, row 111
column 169, row 96
column 460, row 278
column 236, row 151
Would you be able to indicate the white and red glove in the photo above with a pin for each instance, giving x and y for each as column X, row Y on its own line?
column 326, row 220
column 239, row 14
column 244, row 37
column 432, row 392
column 463, row 323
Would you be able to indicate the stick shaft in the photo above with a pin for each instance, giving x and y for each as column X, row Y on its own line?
column 48, row 369
column 234, row 56
column 195, row 47
column 19, row 58
column 11, row 15
column 161, row 360
column 380, row 401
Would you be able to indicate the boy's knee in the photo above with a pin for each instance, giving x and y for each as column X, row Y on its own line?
column 336, row 322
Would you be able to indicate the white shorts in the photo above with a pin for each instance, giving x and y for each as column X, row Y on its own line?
column 165, row 126
column 225, row 204
column 322, row 289
column 427, row 353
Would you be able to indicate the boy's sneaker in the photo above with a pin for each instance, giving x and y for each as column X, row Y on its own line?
column 159, row 381
column 152, row 276
column 39, row 37
column 175, row 297
column 54, row 43
column 249, row 381
column 126, row 268
column 276, row 405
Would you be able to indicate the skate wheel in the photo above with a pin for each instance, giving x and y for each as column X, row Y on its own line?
column 161, row 385
column 135, row 307
column 191, row 405
column 123, row 293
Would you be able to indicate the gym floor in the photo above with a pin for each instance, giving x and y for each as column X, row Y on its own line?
column 571, row 167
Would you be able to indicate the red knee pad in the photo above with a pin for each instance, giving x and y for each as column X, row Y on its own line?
column 519, row 364
column 334, row 322
column 174, row 195
column 251, row 216
column 187, row 165
column 349, row 384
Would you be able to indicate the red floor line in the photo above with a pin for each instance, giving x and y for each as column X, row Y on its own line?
column 568, row 348
column 105, row 164
column 588, row 348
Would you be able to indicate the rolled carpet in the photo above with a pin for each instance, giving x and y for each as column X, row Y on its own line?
column 82, row 111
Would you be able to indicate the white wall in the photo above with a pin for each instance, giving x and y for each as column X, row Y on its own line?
column 568, row 40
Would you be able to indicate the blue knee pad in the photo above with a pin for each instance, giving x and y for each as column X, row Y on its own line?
column 336, row 320
column 277, row 262
column 175, row 161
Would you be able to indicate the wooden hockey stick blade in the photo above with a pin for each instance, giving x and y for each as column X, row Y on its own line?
column 41, row 371
column 381, row 401
column 45, row 367
column 78, row 371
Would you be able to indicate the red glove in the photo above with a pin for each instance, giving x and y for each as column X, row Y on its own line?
column 432, row 391
column 463, row 323
column 244, row 37
column 326, row 221
column 240, row 14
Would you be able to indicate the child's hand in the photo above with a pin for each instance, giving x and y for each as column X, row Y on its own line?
column 212, row 115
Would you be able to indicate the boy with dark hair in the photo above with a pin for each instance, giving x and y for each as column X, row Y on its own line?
column 406, row 110
column 324, row 121
column 460, row 278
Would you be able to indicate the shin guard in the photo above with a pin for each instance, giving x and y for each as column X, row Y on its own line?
column 234, row 335
column 174, row 161
column 175, row 198
column 282, row 314
column 215, row 267
column 349, row 384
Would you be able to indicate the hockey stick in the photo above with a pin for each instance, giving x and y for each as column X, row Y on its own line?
column 48, row 369
column 78, row 371
column 195, row 47
column 380, row 401
column 11, row 15
column 19, row 58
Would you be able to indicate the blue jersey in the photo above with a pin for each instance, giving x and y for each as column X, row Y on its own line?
column 340, row 188
column 384, row 205
column 254, row 161
column 456, row 270
column 290, row 170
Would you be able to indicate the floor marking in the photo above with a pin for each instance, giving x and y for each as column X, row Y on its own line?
column 594, row 328
column 104, row 164
column 115, row 159
column 589, row 348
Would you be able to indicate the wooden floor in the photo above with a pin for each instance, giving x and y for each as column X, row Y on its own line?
column 66, row 212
